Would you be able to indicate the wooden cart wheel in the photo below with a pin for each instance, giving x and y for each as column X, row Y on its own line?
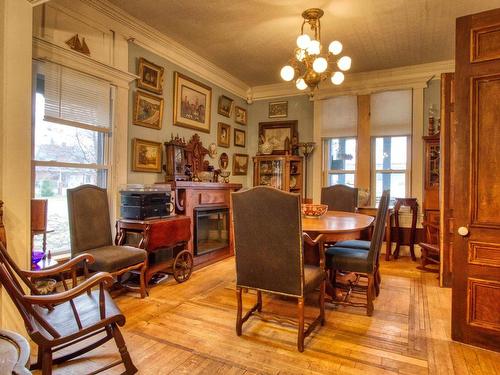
column 183, row 266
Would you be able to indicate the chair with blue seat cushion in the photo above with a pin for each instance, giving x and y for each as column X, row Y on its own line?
column 340, row 198
column 359, row 260
column 354, row 244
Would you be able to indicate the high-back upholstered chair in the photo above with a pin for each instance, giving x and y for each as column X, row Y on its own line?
column 269, row 243
column 90, row 231
column 360, row 260
column 79, row 316
column 340, row 198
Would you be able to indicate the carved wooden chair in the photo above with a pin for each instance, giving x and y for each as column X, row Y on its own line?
column 340, row 198
column 430, row 248
column 90, row 231
column 39, row 221
column 269, row 254
column 61, row 320
column 361, row 260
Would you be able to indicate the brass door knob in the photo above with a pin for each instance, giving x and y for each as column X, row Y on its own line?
column 463, row 231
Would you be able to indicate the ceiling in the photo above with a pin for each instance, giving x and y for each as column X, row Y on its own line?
column 253, row 39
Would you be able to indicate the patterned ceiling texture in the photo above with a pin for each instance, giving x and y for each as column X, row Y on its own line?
column 253, row 39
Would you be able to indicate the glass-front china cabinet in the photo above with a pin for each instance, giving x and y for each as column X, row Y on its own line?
column 279, row 171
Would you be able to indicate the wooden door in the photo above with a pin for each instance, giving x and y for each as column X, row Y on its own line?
column 446, row 196
column 476, row 242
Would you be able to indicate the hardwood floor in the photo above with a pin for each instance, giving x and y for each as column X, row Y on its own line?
column 190, row 329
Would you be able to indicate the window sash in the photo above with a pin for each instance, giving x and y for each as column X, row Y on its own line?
column 327, row 155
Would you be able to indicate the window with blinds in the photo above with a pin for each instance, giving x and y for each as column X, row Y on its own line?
column 73, row 117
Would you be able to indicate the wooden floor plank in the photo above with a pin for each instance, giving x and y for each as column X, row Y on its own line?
column 189, row 328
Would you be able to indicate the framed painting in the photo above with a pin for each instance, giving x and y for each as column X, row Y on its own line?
column 192, row 103
column 239, row 138
column 224, row 135
column 150, row 76
column 277, row 133
column 148, row 110
column 146, row 156
column 240, row 164
column 240, row 115
column 278, row 109
column 225, row 106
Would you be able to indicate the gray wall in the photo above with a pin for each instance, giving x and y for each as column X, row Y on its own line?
column 300, row 108
column 432, row 95
column 162, row 135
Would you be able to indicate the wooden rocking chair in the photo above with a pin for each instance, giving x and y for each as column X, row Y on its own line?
column 58, row 321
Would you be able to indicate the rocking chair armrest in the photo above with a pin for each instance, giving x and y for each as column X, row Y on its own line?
column 103, row 279
column 67, row 266
column 317, row 243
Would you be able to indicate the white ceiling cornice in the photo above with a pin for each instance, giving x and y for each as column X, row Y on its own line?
column 413, row 76
column 151, row 39
column 37, row 2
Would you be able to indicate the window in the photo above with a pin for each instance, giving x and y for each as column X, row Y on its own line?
column 340, row 160
column 391, row 170
column 71, row 131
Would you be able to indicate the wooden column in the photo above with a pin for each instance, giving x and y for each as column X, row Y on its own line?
column 364, row 143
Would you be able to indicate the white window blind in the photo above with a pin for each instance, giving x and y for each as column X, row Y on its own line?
column 76, row 98
column 339, row 117
column 391, row 113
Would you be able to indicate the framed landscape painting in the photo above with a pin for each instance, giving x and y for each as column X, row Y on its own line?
column 150, row 76
column 225, row 106
column 240, row 164
column 277, row 133
column 192, row 103
column 148, row 110
column 278, row 109
column 240, row 115
column 146, row 156
column 239, row 138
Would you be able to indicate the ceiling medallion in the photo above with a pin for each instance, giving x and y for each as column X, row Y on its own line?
column 310, row 65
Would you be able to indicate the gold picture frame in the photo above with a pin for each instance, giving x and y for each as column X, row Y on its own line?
column 240, row 115
column 240, row 138
column 278, row 109
column 150, row 76
column 146, row 156
column 225, row 106
column 148, row 110
column 192, row 103
column 240, row 164
column 223, row 135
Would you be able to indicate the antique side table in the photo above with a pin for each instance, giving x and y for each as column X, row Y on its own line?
column 413, row 205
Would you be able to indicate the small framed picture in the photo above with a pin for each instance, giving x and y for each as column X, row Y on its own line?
column 150, row 76
column 240, row 164
column 225, row 106
column 239, row 138
column 278, row 109
column 240, row 115
column 146, row 156
column 223, row 135
column 148, row 110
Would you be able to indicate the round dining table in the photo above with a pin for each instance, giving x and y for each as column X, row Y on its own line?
column 337, row 225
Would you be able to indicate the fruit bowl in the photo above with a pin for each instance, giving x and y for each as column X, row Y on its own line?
column 314, row 210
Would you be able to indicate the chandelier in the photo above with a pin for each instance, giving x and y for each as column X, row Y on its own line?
column 310, row 65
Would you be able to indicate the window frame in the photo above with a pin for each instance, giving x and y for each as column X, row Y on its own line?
column 327, row 157
column 374, row 171
column 107, row 143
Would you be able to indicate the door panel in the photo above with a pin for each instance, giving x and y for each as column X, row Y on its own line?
column 476, row 182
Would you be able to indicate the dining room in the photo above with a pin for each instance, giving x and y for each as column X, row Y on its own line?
column 254, row 187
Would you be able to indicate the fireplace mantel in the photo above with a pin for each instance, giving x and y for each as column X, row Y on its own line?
column 191, row 195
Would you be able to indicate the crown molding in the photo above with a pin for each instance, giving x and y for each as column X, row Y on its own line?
column 140, row 33
column 34, row 3
column 46, row 51
column 412, row 76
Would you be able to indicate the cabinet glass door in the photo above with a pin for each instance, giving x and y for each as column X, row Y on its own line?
column 271, row 173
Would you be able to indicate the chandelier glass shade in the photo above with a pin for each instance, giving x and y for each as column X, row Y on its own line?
column 310, row 64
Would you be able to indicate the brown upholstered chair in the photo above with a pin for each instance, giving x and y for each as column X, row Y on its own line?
column 430, row 248
column 340, row 198
column 269, row 246
column 90, row 231
column 61, row 320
